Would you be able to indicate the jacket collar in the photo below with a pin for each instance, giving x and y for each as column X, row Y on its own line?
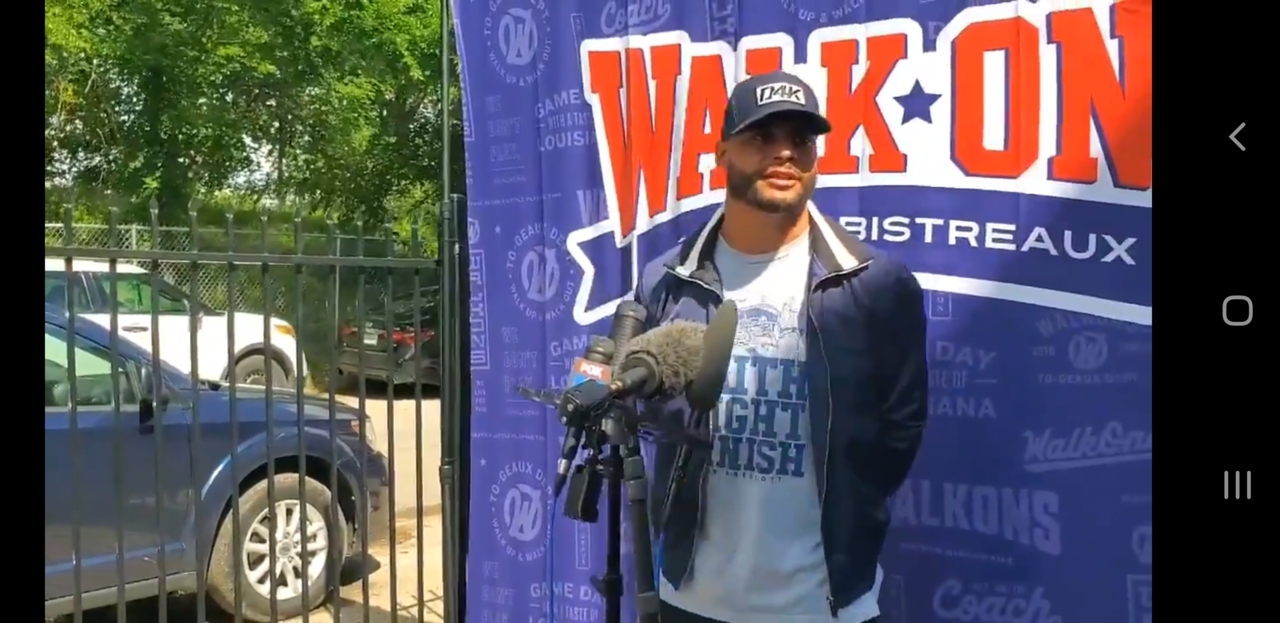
column 834, row 249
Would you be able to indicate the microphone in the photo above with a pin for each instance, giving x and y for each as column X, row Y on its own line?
column 717, row 350
column 682, row 353
column 663, row 360
column 592, row 367
column 628, row 322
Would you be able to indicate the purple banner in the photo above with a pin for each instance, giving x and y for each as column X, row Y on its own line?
column 1002, row 149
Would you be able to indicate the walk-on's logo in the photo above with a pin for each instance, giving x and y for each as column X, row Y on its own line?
column 1087, row 350
column 541, row 281
column 518, row 33
column 520, row 502
column 1080, row 349
column 658, row 100
column 1051, row 450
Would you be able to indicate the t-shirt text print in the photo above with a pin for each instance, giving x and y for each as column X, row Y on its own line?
column 758, row 431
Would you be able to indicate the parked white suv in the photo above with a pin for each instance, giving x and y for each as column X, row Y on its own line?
column 88, row 286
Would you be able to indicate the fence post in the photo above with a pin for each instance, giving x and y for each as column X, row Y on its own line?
column 337, row 290
column 133, row 237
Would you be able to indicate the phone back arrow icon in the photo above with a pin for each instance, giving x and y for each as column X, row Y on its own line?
column 1233, row 137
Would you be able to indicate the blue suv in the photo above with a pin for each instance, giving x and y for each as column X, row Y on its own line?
column 146, row 477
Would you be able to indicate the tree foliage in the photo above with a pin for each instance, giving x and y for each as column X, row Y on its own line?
column 331, row 105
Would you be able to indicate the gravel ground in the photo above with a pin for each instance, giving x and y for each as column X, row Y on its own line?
column 395, row 433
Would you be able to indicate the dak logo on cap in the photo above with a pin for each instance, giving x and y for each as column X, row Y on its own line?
column 779, row 92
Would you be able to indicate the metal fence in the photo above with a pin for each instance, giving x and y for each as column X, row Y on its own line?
column 210, row 285
column 222, row 287
column 257, row 496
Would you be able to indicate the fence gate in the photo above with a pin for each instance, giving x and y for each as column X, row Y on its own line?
column 251, row 421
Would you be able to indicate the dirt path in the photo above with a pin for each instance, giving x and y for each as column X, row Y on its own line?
column 396, row 425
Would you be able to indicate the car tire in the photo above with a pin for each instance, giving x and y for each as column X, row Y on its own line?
column 254, row 517
column 252, row 370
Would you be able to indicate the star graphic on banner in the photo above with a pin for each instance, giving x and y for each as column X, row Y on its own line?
column 916, row 104
column 482, row 462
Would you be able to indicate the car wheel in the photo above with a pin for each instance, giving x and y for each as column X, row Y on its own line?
column 261, row 518
column 252, row 370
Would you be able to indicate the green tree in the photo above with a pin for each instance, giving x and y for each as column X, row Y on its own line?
column 334, row 107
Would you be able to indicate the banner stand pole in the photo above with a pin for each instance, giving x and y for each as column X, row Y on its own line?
column 455, row 414
column 462, row 400
column 454, row 419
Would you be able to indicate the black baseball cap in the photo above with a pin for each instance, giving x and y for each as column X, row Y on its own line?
column 768, row 94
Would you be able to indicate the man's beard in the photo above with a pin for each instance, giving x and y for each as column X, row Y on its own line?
column 742, row 186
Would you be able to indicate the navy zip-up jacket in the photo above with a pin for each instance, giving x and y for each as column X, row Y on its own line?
column 868, row 386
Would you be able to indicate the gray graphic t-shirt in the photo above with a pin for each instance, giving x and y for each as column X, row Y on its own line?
column 759, row 558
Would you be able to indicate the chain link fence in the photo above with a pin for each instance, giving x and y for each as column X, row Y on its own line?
column 333, row 293
column 210, row 284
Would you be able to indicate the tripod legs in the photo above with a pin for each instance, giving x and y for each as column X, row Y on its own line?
column 625, row 468
column 609, row 585
column 637, row 488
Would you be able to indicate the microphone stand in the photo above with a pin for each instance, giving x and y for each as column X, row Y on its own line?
column 617, row 426
column 624, row 468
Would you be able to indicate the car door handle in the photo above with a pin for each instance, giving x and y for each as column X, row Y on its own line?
column 134, row 328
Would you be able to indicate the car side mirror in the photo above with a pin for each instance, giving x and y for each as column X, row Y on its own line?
column 153, row 396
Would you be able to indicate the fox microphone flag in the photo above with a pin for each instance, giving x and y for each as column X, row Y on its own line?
column 586, row 371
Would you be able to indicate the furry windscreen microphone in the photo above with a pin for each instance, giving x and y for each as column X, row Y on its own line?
column 663, row 360
column 717, row 349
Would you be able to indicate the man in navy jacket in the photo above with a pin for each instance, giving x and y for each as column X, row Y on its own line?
column 824, row 405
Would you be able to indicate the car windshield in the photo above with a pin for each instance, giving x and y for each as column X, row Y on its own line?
column 64, row 293
column 134, row 293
